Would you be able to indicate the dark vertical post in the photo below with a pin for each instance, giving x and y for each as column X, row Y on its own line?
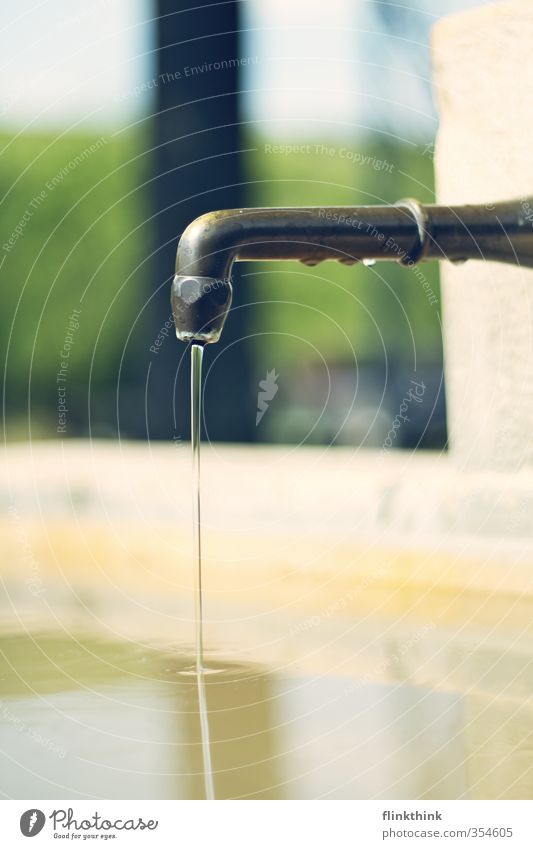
column 197, row 168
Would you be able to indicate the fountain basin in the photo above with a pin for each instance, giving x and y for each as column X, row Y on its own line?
column 376, row 640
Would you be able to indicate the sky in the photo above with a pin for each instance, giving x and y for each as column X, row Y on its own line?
column 318, row 64
column 65, row 61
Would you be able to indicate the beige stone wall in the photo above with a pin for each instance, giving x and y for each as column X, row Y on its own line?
column 483, row 72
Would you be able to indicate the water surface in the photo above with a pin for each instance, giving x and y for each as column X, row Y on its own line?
column 88, row 718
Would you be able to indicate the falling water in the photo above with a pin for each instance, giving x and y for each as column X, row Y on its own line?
column 196, row 415
column 197, row 353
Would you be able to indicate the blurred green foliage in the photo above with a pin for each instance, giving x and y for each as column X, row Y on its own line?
column 76, row 209
column 74, row 236
column 380, row 309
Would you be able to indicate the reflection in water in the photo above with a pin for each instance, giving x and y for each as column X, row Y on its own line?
column 89, row 719
column 243, row 719
column 96, row 719
column 203, row 716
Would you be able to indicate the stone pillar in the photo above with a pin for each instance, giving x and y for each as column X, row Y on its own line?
column 483, row 73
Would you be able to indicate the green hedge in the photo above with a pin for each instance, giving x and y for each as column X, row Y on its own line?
column 387, row 306
column 72, row 222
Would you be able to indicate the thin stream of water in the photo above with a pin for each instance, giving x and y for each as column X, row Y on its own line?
column 197, row 352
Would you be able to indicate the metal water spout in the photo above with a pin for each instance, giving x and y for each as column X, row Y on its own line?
column 407, row 232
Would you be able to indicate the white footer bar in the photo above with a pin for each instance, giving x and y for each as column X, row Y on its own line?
column 268, row 824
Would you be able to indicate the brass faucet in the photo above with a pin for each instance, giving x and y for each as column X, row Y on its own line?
column 406, row 232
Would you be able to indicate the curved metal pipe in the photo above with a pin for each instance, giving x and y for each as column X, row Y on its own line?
column 406, row 232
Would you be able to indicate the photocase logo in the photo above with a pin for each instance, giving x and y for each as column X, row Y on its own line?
column 32, row 822
column 267, row 391
column 65, row 824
